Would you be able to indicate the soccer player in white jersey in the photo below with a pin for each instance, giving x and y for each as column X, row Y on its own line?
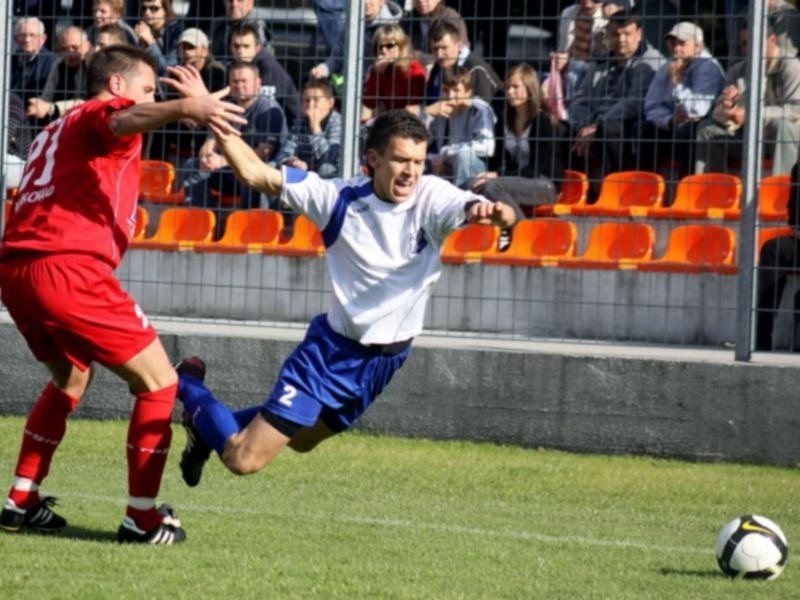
column 383, row 234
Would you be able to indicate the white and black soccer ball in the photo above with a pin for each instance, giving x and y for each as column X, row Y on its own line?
column 752, row 547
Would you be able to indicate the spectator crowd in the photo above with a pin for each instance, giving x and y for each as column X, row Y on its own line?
column 610, row 100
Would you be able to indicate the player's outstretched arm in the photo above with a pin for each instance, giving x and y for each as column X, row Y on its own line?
column 141, row 118
column 249, row 168
column 492, row 213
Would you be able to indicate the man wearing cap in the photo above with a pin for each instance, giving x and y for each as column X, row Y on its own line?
column 179, row 141
column 719, row 137
column 680, row 95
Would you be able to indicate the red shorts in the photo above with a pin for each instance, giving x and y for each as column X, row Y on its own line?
column 71, row 307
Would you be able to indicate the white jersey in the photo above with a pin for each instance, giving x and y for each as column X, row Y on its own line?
column 383, row 258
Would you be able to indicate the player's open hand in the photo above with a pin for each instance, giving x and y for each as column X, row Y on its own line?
column 186, row 80
column 212, row 109
column 491, row 213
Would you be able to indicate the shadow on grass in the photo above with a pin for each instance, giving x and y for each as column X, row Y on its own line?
column 690, row 572
column 87, row 535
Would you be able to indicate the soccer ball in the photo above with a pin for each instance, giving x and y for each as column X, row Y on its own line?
column 752, row 547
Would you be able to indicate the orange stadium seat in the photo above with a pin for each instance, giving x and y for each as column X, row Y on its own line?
column 773, row 198
column 142, row 221
column 156, row 178
column 469, row 243
column 615, row 245
column 767, row 233
column 180, row 229
column 574, row 192
column 537, row 243
column 696, row 249
column 704, row 196
column 626, row 194
column 247, row 231
column 306, row 240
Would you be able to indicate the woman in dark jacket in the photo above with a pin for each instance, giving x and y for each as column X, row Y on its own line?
column 532, row 167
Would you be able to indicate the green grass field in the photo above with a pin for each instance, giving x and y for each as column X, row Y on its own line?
column 377, row 517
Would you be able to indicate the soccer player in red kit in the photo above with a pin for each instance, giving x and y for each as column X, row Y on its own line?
column 71, row 224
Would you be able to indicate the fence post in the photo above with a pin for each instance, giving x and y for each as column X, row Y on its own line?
column 351, row 102
column 751, row 150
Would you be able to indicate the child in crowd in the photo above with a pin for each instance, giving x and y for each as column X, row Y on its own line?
column 314, row 140
column 463, row 134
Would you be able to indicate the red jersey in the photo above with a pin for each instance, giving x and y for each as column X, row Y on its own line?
column 79, row 188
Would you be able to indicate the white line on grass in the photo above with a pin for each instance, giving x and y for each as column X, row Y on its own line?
column 411, row 525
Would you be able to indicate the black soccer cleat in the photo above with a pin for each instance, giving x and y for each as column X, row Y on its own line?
column 193, row 367
column 194, row 455
column 38, row 518
column 168, row 532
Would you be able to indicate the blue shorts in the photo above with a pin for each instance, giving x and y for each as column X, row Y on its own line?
column 333, row 378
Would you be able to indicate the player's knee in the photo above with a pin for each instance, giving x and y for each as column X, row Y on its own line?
column 240, row 465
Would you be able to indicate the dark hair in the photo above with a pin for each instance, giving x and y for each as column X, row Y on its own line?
column 442, row 27
column 319, row 83
column 452, row 77
column 395, row 123
column 623, row 18
column 246, row 28
column 121, row 59
column 244, row 65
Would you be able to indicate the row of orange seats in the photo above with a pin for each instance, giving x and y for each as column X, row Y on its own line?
column 642, row 194
column 622, row 194
column 246, row 231
column 612, row 245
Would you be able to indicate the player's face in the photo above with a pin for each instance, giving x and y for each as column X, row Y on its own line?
column 516, row 92
column 446, row 50
column 139, row 86
column 238, row 9
column 397, row 170
column 244, row 47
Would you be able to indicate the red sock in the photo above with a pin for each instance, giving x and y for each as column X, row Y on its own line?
column 44, row 430
column 149, row 435
column 147, row 519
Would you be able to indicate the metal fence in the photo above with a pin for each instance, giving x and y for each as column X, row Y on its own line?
column 647, row 203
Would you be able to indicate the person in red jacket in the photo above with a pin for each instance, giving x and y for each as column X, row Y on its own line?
column 395, row 79
column 71, row 223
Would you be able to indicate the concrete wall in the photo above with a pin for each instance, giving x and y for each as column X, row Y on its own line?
column 695, row 404
column 667, row 308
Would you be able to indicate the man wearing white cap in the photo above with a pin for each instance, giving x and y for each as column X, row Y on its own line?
column 719, row 137
column 680, row 95
column 179, row 141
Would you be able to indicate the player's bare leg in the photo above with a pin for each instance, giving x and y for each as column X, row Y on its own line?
column 309, row 438
column 254, row 447
column 154, row 382
column 44, row 430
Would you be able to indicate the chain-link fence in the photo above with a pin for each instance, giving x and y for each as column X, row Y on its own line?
column 648, row 147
